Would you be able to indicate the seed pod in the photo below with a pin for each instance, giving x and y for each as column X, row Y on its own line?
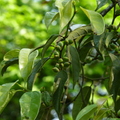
column 60, row 44
column 60, row 60
column 66, row 59
column 55, row 69
column 58, row 48
column 61, row 64
column 57, row 65
column 66, row 42
column 66, row 64
column 70, row 41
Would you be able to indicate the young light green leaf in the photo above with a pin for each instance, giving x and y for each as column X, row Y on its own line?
column 48, row 43
column 62, row 77
column 101, row 3
column 81, row 101
column 50, row 17
column 6, row 94
column 86, row 112
column 26, row 62
column 76, row 66
column 65, row 11
column 96, row 20
column 30, row 104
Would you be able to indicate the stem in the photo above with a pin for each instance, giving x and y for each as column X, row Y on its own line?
column 114, row 14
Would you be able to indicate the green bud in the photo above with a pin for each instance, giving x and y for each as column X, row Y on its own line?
column 66, row 64
column 55, row 69
column 66, row 59
column 60, row 44
column 70, row 41
column 58, row 48
column 60, row 60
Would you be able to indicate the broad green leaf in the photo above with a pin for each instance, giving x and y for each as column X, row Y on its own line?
column 30, row 104
column 26, row 62
column 76, row 66
column 101, row 3
column 61, row 77
column 81, row 101
column 65, row 11
column 117, row 105
column 5, row 64
column 50, row 17
column 11, row 54
column 48, row 43
column 116, row 72
column 97, row 22
column 6, row 94
column 79, row 32
column 37, row 67
column 86, row 112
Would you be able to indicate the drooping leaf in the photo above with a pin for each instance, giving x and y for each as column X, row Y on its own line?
column 101, row 3
column 50, row 17
column 81, row 101
column 61, row 77
column 48, row 43
column 116, row 72
column 6, row 64
column 86, row 112
column 6, row 94
column 76, row 66
column 35, row 70
column 65, row 11
column 97, row 22
column 30, row 104
column 26, row 62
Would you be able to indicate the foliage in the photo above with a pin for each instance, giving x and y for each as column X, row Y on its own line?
column 85, row 59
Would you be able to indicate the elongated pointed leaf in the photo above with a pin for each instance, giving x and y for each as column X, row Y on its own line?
column 65, row 11
column 86, row 112
column 48, row 43
column 26, row 62
column 76, row 67
column 6, row 94
column 96, row 20
column 30, row 104
column 81, row 101
column 50, row 17
column 35, row 70
column 62, row 77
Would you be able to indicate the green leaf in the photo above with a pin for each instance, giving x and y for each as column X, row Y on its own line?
column 48, row 43
column 101, row 3
column 96, row 20
column 117, row 105
column 86, row 112
column 65, row 11
column 26, row 62
column 30, row 104
column 61, row 77
column 6, row 94
column 81, row 101
column 5, row 64
column 11, row 54
column 50, row 17
column 76, row 66
column 35, row 70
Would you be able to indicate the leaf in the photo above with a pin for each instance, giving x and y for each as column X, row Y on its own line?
column 35, row 70
column 26, row 62
column 117, row 105
column 62, row 77
column 76, row 67
column 48, row 43
column 116, row 72
column 6, row 94
column 101, row 3
column 50, row 17
column 86, row 112
column 30, row 104
column 65, row 11
column 5, row 64
column 81, row 101
column 97, row 22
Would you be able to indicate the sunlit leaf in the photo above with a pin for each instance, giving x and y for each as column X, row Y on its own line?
column 30, row 104
column 61, row 77
column 96, row 20
column 35, row 70
column 26, row 62
column 65, row 11
column 48, row 43
column 81, row 101
column 76, row 67
column 86, row 112
column 50, row 17
column 101, row 3
column 6, row 94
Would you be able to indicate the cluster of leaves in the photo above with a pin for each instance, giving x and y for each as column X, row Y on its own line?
column 74, row 48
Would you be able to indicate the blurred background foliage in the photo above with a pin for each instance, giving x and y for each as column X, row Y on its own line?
column 22, row 26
